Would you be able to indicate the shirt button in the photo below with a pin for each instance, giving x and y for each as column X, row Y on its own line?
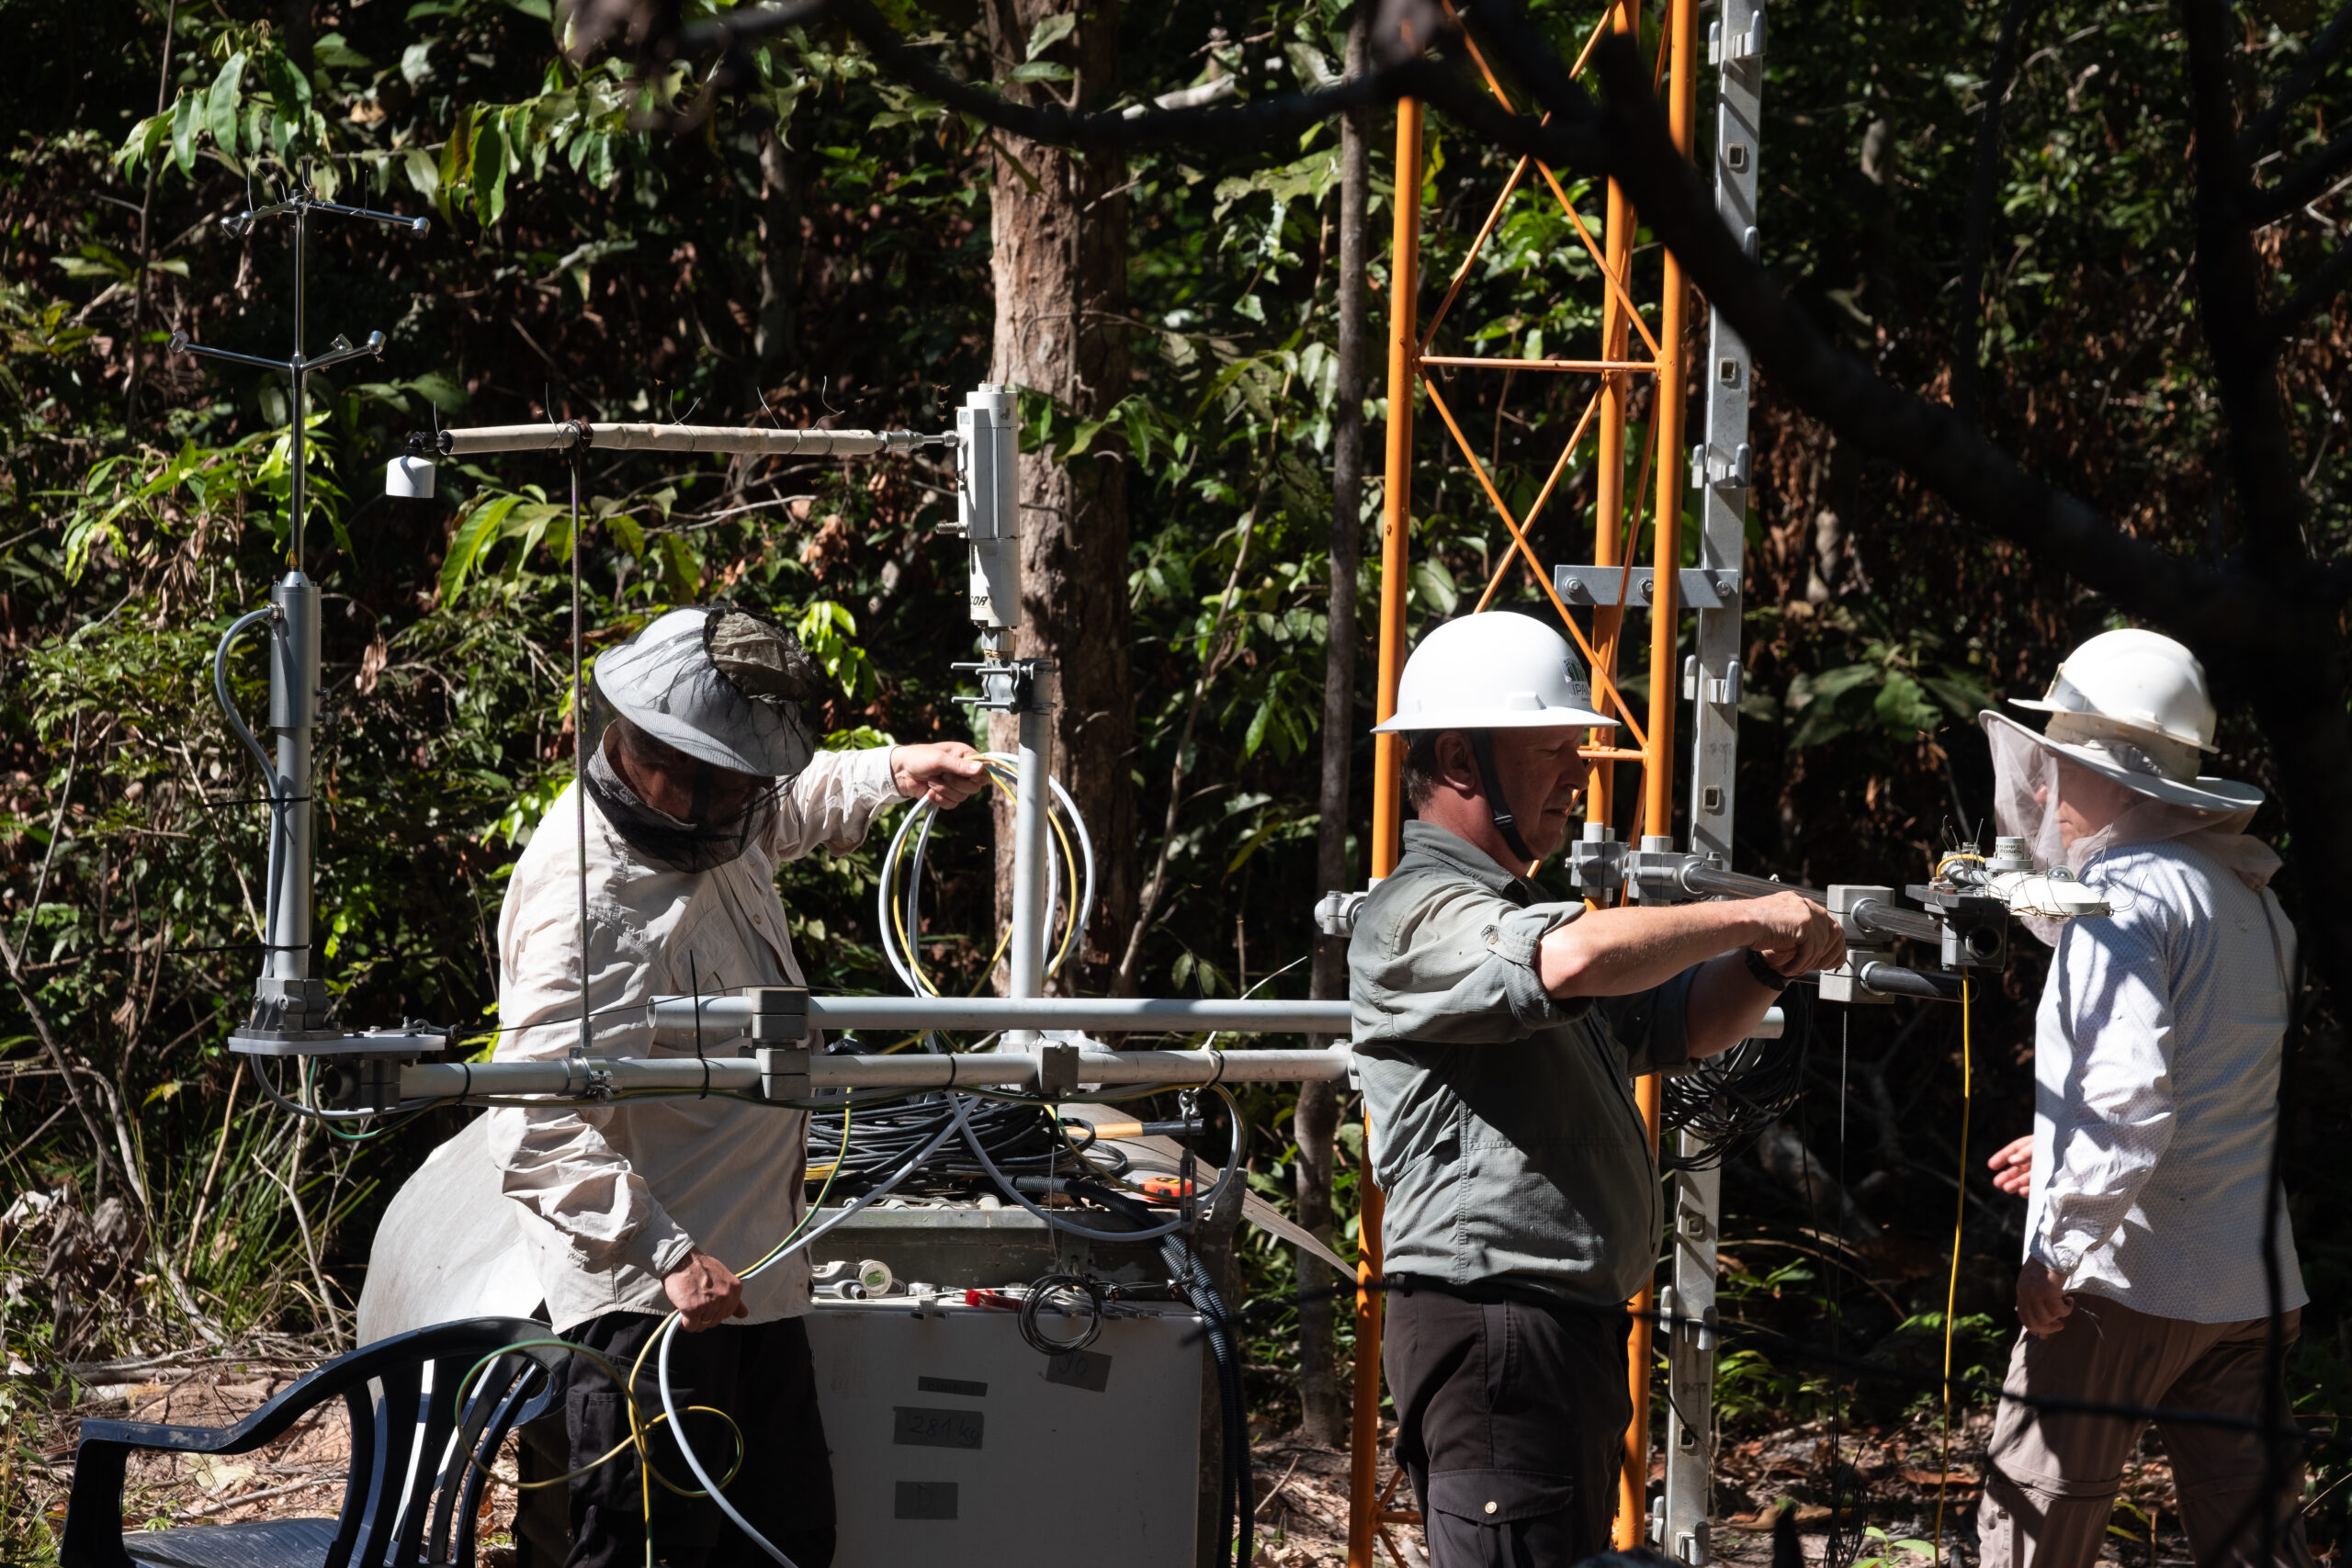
column 1490, row 1508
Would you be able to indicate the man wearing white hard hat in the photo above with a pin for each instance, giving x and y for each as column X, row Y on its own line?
column 2157, row 1059
column 705, row 777
column 1499, row 1031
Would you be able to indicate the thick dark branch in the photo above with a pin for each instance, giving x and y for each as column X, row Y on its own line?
column 2306, row 182
column 2229, row 295
column 2324, row 284
column 1928, row 440
column 1967, row 376
column 1251, row 126
column 2321, row 53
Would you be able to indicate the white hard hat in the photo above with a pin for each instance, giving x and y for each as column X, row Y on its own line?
column 2134, row 706
column 1499, row 669
column 2135, row 679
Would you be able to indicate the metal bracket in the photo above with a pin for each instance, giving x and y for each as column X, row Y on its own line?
column 1748, row 45
column 1696, row 588
column 1723, row 688
column 1056, row 1068
column 1739, row 473
column 784, row 1071
column 779, row 1012
column 1844, row 984
column 1654, row 872
column 1009, row 686
column 1597, row 860
column 1335, row 913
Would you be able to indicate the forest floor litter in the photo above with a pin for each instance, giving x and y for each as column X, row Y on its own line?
column 1890, row 1474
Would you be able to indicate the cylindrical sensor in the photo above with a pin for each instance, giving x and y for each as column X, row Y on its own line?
column 408, row 478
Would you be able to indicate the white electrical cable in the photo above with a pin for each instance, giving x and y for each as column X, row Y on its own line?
column 899, row 915
column 668, row 1334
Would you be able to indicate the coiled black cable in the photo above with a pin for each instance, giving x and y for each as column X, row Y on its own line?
column 1726, row 1100
column 1019, row 1137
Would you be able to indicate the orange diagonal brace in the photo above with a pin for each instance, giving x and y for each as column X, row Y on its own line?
column 1607, row 687
column 1592, row 407
column 1470, row 256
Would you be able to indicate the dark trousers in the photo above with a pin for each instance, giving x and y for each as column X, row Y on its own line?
column 762, row 1378
column 1510, row 1421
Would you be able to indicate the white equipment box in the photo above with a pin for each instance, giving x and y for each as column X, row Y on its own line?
column 951, row 1435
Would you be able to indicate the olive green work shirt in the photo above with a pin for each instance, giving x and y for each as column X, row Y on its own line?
column 1504, row 1130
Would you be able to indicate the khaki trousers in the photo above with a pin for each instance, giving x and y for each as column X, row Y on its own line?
column 2051, row 1476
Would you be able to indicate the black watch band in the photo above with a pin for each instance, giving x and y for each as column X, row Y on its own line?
column 1771, row 979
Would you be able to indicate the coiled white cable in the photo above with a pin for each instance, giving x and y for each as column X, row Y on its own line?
column 899, row 914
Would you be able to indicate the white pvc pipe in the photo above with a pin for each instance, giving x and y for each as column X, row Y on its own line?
column 980, row 1069
column 742, row 439
column 675, row 1019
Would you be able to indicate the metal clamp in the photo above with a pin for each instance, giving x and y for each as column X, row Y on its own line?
column 1654, row 872
column 1335, row 913
column 1010, row 685
column 784, row 1072
column 1597, row 860
column 779, row 1012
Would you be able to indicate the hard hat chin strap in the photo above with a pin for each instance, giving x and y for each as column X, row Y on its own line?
column 1482, row 748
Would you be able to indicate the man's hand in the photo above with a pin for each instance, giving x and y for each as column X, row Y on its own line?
column 2043, row 1305
column 946, row 773
column 1796, row 936
column 704, row 1291
column 2012, row 1166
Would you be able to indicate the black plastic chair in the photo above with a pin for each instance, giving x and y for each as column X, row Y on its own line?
column 412, row 1496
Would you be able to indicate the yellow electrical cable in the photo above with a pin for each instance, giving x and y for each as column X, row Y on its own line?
column 996, row 771
column 1960, row 1217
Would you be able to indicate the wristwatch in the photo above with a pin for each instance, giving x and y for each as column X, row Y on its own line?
column 1771, row 979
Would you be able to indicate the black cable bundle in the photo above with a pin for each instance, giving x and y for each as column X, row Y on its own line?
column 1726, row 1100
column 1237, row 1490
column 1017, row 1136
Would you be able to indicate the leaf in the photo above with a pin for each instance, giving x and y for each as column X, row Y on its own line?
column 538, row 9
column 488, row 170
column 1040, row 71
column 1433, row 585
column 424, row 174
column 1050, row 31
column 1904, row 708
column 221, row 103
column 185, row 115
column 332, row 52
column 479, row 529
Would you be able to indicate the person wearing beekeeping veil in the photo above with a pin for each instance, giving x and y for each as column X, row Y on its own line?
column 704, row 778
column 2147, row 1175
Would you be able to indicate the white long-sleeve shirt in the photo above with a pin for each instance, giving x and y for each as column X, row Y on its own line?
column 2157, row 1090
column 613, row 1196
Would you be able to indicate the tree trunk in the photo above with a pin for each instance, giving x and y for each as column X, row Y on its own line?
column 1323, row 1406
column 1060, row 263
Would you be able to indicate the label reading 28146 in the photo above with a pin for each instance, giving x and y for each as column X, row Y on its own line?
column 916, row 1426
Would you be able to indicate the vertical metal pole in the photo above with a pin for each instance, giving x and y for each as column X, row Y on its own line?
column 1720, row 472
column 1657, row 767
column 293, row 698
column 293, row 710
column 1387, row 784
column 1031, row 875
column 579, row 748
column 1609, row 461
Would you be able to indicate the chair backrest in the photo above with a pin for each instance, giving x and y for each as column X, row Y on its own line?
column 419, row 1458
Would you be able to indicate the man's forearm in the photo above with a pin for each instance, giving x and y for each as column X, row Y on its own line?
column 1615, row 952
